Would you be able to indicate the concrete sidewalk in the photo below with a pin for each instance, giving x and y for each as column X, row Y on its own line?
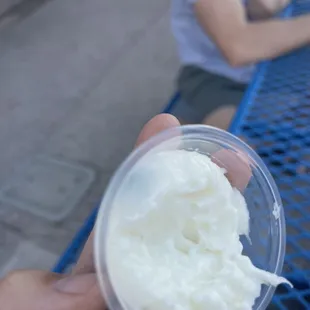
column 78, row 79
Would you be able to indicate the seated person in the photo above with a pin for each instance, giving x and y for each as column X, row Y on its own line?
column 219, row 43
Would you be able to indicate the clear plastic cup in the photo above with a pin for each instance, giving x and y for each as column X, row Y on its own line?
column 267, row 223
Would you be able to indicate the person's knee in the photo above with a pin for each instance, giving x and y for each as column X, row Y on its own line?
column 221, row 117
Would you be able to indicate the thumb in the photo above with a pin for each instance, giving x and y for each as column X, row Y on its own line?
column 157, row 124
column 76, row 284
column 40, row 290
column 82, row 290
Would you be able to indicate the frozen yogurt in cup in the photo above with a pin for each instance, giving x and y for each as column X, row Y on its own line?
column 192, row 219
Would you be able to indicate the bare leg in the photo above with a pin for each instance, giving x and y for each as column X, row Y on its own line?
column 221, row 117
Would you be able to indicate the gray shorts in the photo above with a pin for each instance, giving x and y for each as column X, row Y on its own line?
column 203, row 92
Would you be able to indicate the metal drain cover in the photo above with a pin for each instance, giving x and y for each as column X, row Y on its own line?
column 48, row 187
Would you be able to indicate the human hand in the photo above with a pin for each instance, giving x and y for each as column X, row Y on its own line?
column 42, row 290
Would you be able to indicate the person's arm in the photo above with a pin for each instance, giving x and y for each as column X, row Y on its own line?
column 264, row 9
column 243, row 42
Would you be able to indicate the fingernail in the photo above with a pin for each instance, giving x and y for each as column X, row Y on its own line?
column 77, row 284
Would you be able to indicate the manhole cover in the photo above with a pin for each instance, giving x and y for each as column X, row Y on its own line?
column 48, row 187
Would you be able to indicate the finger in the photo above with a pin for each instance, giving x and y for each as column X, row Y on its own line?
column 32, row 290
column 41, row 290
column 237, row 166
column 84, row 289
column 157, row 124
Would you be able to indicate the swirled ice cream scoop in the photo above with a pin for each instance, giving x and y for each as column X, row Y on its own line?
column 173, row 238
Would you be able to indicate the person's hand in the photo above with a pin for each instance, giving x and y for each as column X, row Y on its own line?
column 42, row 290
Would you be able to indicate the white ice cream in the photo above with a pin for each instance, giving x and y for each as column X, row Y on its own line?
column 173, row 241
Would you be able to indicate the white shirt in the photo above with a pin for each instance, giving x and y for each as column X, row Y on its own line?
column 196, row 48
